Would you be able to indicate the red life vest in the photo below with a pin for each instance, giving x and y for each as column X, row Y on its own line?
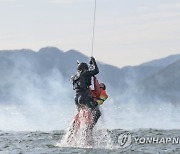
column 99, row 95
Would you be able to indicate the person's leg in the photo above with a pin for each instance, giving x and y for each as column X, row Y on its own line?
column 86, row 100
column 96, row 115
column 78, row 107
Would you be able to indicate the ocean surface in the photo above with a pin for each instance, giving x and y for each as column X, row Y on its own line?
column 140, row 141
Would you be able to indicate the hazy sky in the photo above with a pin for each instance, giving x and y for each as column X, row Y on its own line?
column 127, row 32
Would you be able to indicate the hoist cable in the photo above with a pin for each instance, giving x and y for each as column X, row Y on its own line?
column 94, row 22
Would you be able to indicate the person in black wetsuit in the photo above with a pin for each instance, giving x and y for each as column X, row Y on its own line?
column 82, row 82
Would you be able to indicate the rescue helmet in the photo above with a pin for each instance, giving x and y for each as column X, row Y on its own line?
column 82, row 66
column 103, row 86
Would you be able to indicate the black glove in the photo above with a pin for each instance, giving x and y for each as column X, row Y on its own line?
column 92, row 60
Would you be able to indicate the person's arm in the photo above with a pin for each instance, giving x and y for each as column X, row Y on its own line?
column 92, row 72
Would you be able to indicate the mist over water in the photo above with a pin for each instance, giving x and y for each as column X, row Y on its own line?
column 37, row 103
column 134, row 116
column 45, row 101
column 31, row 101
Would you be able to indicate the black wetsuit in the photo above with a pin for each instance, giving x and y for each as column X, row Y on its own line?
column 82, row 81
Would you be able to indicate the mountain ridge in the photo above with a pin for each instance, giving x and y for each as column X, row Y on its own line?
column 121, row 80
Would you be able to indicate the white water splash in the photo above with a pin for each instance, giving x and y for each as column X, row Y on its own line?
column 100, row 137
